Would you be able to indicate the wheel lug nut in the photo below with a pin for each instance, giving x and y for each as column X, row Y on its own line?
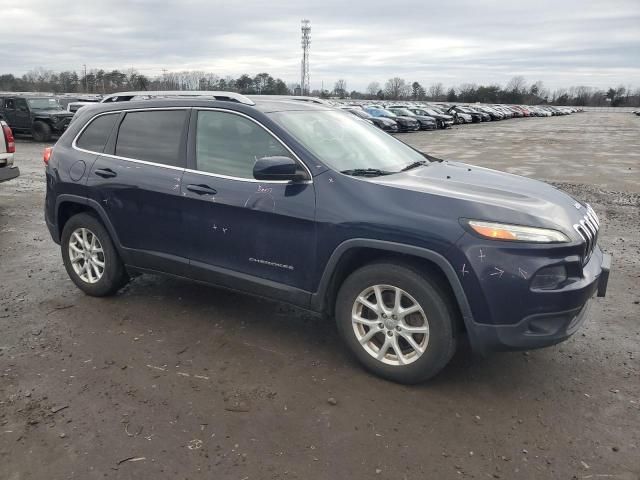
column 380, row 325
column 384, row 315
column 398, row 328
column 390, row 333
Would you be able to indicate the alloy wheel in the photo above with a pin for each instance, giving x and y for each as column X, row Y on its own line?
column 390, row 325
column 86, row 255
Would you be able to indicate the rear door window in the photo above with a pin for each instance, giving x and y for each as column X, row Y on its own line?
column 95, row 136
column 153, row 136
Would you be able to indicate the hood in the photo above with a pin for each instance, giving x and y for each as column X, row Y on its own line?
column 492, row 195
column 406, row 119
column 425, row 118
column 385, row 120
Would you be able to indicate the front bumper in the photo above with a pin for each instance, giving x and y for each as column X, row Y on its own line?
column 428, row 126
column 61, row 125
column 9, row 173
column 511, row 313
column 534, row 331
column 408, row 127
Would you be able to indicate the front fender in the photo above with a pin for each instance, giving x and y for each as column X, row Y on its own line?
column 319, row 299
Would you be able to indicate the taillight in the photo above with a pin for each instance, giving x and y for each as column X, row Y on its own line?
column 47, row 155
column 8, row 138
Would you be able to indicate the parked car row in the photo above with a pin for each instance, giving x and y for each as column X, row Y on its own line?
column 45, row 115
column 407, row 117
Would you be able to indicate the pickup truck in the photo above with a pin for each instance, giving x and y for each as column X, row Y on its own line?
column 7, row 146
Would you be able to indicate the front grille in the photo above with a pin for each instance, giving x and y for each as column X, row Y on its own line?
column 588, row 228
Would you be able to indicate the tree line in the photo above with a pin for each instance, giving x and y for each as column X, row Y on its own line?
column 517, row 90
column 101, row 82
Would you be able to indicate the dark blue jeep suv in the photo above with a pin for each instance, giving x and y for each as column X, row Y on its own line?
column 310, row 205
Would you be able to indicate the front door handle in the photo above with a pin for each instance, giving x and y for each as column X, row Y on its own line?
column 105, row 173
column 202, row 189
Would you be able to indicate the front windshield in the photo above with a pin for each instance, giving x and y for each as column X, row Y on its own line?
column 360, row 113
column 381, row 112
column 43, row 104
column 403, row 111
column 345, row 143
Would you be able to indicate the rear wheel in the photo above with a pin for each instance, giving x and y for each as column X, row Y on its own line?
column 90, row 257
column 397, row 322
column 41, row 131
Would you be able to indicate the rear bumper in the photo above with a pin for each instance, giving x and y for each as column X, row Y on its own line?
column 9, row 173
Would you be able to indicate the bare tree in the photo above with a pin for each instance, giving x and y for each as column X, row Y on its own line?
column 373, row 88
column 517, row 85
column 396, row 87
column 436, row 91
column 340, row 88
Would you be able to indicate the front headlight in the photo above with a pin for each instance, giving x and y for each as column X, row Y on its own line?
column 518, row 233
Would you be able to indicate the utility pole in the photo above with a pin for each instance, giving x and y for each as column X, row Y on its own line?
column 306, row 44
column 86, row 90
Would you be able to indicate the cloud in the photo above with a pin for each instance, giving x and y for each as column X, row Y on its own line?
column 572, row 42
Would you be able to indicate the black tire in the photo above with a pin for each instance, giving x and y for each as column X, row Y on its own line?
column 436, row 304
column 41, row 131
column 114, row 275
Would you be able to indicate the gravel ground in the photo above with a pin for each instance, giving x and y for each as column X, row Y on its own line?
column 174, row 380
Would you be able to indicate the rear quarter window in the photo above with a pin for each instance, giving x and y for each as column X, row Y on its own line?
column 153, row 136
column 95, row 136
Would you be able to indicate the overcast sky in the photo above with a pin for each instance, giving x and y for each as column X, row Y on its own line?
column 561, row 42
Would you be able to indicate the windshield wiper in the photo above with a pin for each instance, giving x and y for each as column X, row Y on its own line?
column 366, row 172
column 419, row 163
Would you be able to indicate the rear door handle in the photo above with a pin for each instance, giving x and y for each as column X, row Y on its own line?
column 202, row 189
column 105, row 173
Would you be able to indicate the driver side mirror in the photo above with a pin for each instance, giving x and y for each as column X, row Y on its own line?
column 276, row 168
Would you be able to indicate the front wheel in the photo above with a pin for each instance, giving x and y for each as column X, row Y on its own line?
column 397, row 322
column 90, row 257
column 41, row 131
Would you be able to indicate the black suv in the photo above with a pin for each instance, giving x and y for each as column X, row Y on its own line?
column 39, row 116
column 310, row 205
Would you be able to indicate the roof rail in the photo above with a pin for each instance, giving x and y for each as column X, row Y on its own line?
column 218, row 95
column 299, row 98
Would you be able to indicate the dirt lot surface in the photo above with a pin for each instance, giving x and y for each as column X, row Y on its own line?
column 180, row 381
